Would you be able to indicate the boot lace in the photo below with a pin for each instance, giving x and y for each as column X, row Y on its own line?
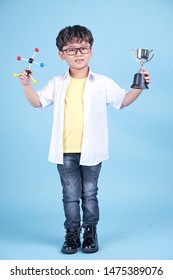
column 72, row 237
column 89, row 233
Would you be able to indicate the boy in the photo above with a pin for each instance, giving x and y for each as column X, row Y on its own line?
column 79, row 141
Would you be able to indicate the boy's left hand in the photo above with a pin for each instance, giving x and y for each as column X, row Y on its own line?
column 146, row 75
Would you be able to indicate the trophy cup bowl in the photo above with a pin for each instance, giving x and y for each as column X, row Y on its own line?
column 142, row 56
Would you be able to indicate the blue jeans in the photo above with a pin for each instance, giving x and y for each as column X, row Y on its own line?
column 79, row 184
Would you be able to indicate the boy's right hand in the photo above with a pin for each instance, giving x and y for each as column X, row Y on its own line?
column 24, row 77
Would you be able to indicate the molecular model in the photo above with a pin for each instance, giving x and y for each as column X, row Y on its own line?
column 30, row 61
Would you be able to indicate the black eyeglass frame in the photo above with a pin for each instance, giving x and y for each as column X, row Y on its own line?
column 77, row 49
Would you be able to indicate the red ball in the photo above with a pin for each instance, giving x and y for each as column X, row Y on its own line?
column 36, row 50
column 19, row 58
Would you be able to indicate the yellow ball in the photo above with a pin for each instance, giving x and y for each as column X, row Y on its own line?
column 15, row 75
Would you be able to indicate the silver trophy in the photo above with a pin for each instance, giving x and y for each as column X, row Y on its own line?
column 142, row 56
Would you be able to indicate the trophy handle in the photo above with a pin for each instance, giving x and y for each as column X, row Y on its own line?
column 133, row 55
column 151, row 55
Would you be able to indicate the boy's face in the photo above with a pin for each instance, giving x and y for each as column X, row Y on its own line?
column 76, row 54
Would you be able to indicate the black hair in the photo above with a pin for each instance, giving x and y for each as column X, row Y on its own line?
column 70, row 33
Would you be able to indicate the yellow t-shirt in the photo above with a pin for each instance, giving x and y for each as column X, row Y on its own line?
column 73, row 116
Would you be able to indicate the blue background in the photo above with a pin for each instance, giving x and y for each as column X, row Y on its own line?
column 136, row 183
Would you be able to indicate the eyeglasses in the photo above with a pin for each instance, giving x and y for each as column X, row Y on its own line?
column 73, row 51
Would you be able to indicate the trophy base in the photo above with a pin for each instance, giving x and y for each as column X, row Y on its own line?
column 139, row 82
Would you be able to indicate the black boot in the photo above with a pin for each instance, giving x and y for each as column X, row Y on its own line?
column 72, row 241
column 90, row 243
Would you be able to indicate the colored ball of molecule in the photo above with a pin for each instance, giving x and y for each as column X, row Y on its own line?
column 28, row 72
column 30, row 60
column 19, row 58
column 36, row 50
column 41, row 64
